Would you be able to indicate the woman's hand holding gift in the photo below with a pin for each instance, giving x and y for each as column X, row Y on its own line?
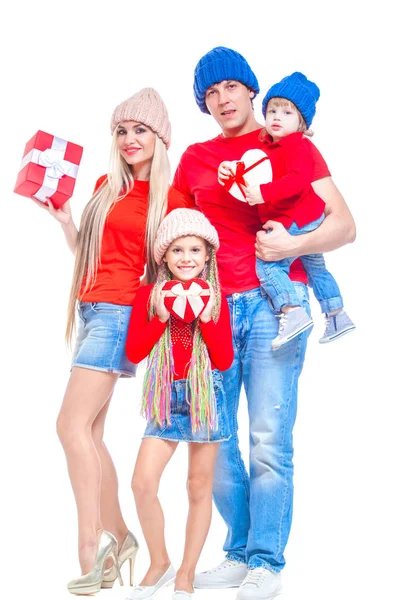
column 63, row 215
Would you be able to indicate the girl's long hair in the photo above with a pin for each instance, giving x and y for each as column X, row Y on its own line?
column 118, row 183
column 157, row 386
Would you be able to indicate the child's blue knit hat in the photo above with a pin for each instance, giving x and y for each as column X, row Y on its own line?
column 218, row 65
column 299, row 90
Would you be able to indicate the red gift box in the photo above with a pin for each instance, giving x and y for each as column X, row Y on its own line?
column 186, row 300
column 49, row 168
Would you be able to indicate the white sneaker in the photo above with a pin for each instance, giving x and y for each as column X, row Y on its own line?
column 182, row 595
column 143, row 592
column 260, row 584
column 230, row 573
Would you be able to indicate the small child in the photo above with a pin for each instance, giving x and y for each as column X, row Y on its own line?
column 183, row 397
column 288, row 108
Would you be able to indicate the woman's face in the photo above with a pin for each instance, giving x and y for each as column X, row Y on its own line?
column 136, row 144
column 186, row 257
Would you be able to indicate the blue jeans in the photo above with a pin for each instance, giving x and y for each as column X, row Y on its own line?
column 180, row 429
column 276, row 284
column 257, row 507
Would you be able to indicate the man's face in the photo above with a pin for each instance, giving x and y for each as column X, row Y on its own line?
column 229, row 102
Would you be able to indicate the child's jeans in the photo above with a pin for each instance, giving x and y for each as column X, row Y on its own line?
column 276, row 284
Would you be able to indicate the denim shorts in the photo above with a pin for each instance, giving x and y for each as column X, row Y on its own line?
column 180, row 429
column 100, row 343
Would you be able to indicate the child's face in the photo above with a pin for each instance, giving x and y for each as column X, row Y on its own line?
column 186, row 257
column 281, row 119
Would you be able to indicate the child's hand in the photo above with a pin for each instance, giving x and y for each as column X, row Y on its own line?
column 225, row 170
column 206, row 314
column 162, row 312
column 253, row 195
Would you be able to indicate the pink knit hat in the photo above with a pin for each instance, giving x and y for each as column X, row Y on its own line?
column 146, row 107
column 181, row 222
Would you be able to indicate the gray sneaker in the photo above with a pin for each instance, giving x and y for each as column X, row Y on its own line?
column 230, row 573
column 335, row 326
column 291, row 324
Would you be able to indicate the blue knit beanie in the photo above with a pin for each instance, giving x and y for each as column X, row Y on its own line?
column 299, row 90
column 218, row 65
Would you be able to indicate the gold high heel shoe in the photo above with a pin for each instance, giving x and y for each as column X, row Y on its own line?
column 91, row 582
column 128, row 552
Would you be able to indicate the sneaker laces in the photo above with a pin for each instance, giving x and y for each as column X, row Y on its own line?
column 256, row 576
column 228, row 562
column 282, row 322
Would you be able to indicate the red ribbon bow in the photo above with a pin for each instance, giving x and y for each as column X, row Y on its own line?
column 238, row 177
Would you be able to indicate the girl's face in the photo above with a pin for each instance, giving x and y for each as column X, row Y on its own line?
column 186, row 257
column 281, row 119
column 136, row 143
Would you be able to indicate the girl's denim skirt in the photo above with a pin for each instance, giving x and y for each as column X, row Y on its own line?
column 100, row 343
column 180, row 429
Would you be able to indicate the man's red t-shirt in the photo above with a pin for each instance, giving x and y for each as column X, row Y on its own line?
column 236, row 222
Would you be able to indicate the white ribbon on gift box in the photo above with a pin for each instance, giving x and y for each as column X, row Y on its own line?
column 56, row 166
column 191, row 295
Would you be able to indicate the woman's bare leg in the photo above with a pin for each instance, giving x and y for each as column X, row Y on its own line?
column 199, row 485
column 110, row 510
column 86, row 394
column 154, row 455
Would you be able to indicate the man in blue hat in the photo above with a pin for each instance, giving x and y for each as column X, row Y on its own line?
column 256, row 506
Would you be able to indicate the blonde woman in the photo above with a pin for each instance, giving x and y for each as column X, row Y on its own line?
column 117, row 232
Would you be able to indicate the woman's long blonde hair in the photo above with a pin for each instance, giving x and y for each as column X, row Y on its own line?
column 115, row 187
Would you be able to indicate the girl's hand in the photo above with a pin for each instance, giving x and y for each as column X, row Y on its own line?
column 205, row 316
column 63, row 215
column 225, row 170
column 161, row 311
column 253, row 195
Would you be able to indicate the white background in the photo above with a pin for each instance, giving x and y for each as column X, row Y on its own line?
column 66, row 65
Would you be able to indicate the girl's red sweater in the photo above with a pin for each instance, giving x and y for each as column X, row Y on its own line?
column 143, row 334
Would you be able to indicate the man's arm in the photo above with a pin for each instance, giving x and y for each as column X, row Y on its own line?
column 337, row 229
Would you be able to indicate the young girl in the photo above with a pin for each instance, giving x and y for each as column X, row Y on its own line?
column 183, row 398
column 118, row 224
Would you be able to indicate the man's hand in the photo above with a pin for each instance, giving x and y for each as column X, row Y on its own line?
column 277, row 244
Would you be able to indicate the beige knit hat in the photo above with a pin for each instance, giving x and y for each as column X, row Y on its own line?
column 146, row 107
column 181, row 222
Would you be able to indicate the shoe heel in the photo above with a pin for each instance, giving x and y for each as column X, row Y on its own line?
column 132, row 559
column 115, row 558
